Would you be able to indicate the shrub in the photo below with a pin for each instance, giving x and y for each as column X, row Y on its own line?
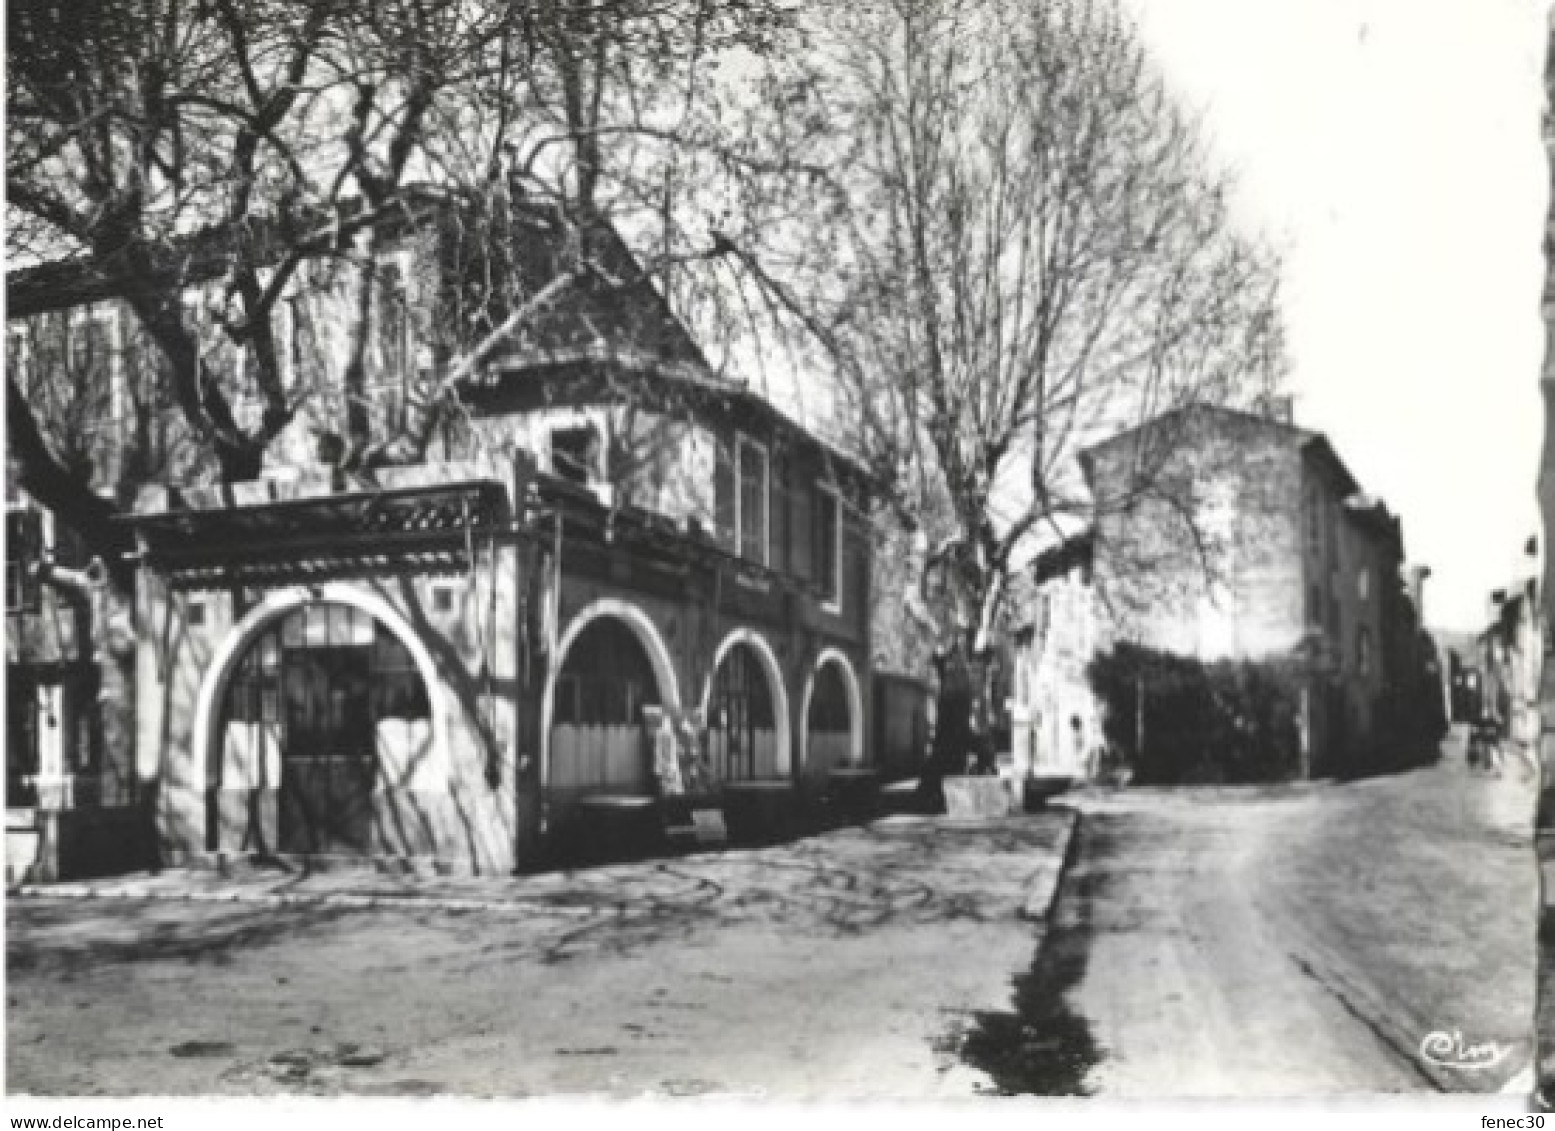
column 1229, row 721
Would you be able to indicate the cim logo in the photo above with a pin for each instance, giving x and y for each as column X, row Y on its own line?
column 1450, row 1050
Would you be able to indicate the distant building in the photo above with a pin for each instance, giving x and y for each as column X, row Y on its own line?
column 1253, row 541
column 1511, row 655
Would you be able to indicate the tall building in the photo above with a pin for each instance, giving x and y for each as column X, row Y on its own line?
column 1223, row 535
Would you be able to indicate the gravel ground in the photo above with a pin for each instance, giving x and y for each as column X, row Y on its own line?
column 860, row 963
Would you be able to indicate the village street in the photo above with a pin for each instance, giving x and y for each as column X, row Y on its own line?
column 1304, row 939
column 1229, row 941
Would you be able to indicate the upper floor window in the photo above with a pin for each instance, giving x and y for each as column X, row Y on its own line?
column 391, row 320
column 826, row 546
column 94, row 363
column 223, row 361
column 23, row 548
column 389, row 374
column 751, row 518
column 1363, row 650
column 1363, row 583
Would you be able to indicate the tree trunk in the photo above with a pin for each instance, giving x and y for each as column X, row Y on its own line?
column 962, row 723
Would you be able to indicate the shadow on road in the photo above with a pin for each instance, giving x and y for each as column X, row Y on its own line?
column 1041, row 1047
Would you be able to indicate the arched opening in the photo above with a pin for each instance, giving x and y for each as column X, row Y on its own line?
column 829, row 723
column 833, row 716
column 597, row 743
column 746, row 712
column 323, row 707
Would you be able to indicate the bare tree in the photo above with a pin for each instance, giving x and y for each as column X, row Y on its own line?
column 267, row 147
column 1030, row 250
column 231, row 173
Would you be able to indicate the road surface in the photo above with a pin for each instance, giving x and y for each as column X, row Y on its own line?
column 1301, row 940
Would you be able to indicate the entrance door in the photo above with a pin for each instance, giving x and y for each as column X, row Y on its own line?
column 328, row 764
column 311, row 693
column 742, row 734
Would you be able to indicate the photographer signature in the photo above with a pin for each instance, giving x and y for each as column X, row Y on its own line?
column 1450, row 1050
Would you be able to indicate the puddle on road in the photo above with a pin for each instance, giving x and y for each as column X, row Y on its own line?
column 1040, row 1047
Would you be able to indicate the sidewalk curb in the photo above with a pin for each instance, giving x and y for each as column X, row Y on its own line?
column 1395, row 1027
column 1042, row 888
column 77, row 892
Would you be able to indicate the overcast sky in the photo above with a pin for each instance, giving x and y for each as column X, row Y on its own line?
column 1391, row 147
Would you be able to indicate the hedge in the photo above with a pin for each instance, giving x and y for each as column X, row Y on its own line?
column 1232, row 721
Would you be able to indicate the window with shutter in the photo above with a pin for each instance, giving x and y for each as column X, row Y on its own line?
column 800, row 532
column 725, row 505
column 754, row 493
column 777, row 510
column 826, row 546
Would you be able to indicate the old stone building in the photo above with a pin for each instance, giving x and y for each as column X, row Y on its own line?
column 1245, row 537
column 618, row 589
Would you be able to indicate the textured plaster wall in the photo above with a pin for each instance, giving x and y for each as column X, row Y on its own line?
column 1208, row 560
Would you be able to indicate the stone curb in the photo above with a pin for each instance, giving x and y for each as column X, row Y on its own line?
column 1042, row 888
column 1395, row 1027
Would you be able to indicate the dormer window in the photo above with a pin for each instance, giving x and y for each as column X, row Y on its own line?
column 575, row 454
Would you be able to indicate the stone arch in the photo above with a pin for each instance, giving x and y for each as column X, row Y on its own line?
column 647, row 633
column 850, row 686
column 213, row 689
column 770, row 667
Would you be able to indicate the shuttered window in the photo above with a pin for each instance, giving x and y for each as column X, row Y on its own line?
column 800, row 532
column 826, row 546
column 754, row 492
column 777, row 509
column 725, row 505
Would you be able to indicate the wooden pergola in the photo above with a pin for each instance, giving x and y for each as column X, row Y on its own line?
column 431, row 529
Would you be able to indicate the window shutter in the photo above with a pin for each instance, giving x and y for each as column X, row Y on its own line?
column 723, row 495
column 800, row 532
column 777, row 507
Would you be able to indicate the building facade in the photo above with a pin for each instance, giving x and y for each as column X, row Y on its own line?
column 617, row 586
column 1253, row 542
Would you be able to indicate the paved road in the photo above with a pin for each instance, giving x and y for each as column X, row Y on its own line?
column 855, row 963
column 1300, row 940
